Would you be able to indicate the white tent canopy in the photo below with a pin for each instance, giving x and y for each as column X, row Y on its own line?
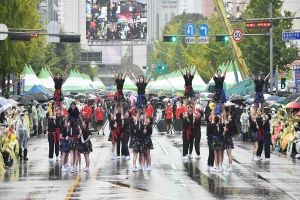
column 46, row 79
column 30, row 78
column 98, row 84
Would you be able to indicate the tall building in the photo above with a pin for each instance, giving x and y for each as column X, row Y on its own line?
column 60, row 11
column 234, row 8
column 190, row 6
column 208, row 8
column 48, row 11
column 163, row 11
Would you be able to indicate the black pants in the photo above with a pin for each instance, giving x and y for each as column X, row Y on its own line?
column 40, row 127
column 264, row 144
column 118, row 146
column 187, row 145
column 52, row 146
column 211, row 155
column 125, row 150
column 197, row 142
column 35, row 130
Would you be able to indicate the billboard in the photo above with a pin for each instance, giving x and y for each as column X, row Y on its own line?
column 116, row 19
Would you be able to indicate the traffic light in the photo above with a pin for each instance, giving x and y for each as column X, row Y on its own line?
column 19, row 36
column 222, row 38
column 69, row 38
column 170, row 38
column 283, row 84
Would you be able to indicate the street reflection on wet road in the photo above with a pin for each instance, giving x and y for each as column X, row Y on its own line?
column 171, row 178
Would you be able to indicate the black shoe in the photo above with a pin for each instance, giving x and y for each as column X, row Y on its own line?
column 25, row 159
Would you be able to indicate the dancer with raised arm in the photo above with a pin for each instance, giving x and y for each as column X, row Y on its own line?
column 119, row 80
column 58, row 82
column 219, row 78
column 141, row 84
column 259, row 86
column 188, row 84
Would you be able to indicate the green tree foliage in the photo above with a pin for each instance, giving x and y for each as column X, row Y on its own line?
column 19, row 14
column 205, row 57
column 256, row 49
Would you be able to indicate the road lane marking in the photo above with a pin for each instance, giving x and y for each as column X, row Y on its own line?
column 78, row 177
column 72, row 187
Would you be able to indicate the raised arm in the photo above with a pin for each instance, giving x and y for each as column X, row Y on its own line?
column 125, row 74
column 226, row 69
column 268, row 76
column 114, row 72
column 180, row 69
column 149, row 77
column 133, row 76
column 194, row 71
column 64, row 75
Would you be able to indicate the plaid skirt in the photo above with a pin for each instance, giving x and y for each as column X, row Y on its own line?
column 228, row 142
column 86, row 147
column 136, row 144
column 74, row 145
column 218, row 143
column 64, row 146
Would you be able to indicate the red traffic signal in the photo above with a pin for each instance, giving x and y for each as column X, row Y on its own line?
column 262, row 24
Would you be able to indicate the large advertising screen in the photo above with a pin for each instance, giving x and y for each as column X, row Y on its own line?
column 116, row 19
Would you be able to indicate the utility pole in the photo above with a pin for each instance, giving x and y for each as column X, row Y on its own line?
column 271, row 52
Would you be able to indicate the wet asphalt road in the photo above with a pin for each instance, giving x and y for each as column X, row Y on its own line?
column 170, row 178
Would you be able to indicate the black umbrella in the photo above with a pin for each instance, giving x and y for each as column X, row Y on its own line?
column 236, row 98
column 27, row 99
column 40, row 97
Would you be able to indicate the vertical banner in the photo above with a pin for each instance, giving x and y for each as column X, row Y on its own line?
column 297, row 77
column 22, row 86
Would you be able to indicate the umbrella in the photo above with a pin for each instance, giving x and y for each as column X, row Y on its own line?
column 293, row 105
column 166, row 99
column 291, row 98
column 40, row 97
column 26, row 99
column 228, row 104
column 249, row 101
column 110, row 95
column 272, row 98
column 282, row 99
column 80, row 96
column 16, row 97
column 248, row 96
column 236, row 98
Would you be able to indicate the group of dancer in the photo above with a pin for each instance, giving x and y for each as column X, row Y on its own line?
column 131, row 128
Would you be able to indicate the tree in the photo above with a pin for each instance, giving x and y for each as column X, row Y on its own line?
column 206, row 58
column 257, row 48
column 15, row 54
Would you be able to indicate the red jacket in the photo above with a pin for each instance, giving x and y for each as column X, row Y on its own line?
column 98, row 114
column 179, row 111
column 149, row 111
column 87, row 112
column 169, row 112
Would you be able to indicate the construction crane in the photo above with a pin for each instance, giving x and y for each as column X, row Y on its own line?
column 244, row 70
